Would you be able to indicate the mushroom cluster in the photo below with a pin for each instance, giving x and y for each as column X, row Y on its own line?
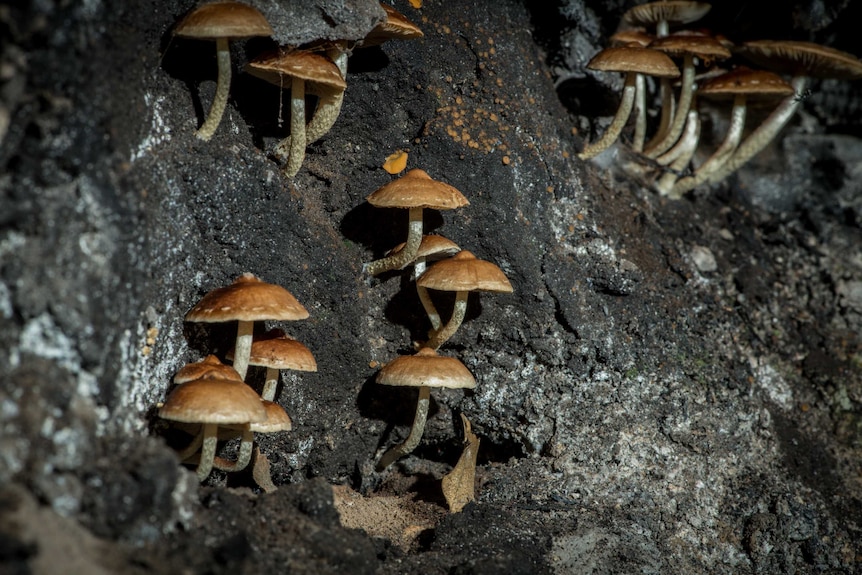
column 454, row 270
column 211, row 400
column 318, row 70
column 645, row 47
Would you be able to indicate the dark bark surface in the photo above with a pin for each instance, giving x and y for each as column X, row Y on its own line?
column 672, row 386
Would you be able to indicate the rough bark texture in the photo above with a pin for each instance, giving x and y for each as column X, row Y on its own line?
column 674, row 386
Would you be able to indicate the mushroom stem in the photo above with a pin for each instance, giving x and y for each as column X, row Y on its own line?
column 440, row 336
column 406, row 255
column 681, row 115
column 210, row 439
column 764, row 134
column 271, row 384
column 325, row 115
column 668, row 104
column 416, row 431
column 683, row 152
column 206, row 131
column 618, row 123
column 294, row 146
column 721, row 154
column 640, row 110
column 424, row 296
column 243, row 456
column 242, row 349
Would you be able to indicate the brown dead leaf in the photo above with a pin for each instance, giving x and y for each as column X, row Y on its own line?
column 459, row 484
column 261, row 473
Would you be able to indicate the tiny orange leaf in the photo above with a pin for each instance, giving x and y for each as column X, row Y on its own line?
column 416, row 3
column 396, row 162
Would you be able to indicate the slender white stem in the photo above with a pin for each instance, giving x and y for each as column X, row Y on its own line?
column 192, row 447
column 440, row 336
column 666, row 182
column 243, row 455
column 640, row 110
column 406, row 255
column 297, row 143
column 686, row 143
column 217, row 108
column 242, row 349
column 210, row 439
column 617, row 124
column 721, row 154
column 681, row 115
column 416, row 432
column 271, row 384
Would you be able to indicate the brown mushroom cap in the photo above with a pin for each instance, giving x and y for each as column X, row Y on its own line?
column 247, row 299
column 279, row 67
column 464, row 272
column 223, row 20
column 396, row 26
column 679, row 12
column 802, row 58
column 416, row 189
column 277, row 419
column 275, row 349
column 426, row 368
column 431, row 245
column 637, row 36
column 634, row 59
column 208, row 368
column 704, row 47
column 742, row 80
column 218, row 401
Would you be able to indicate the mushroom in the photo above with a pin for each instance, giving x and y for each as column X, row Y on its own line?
column 636, row 37
column 414, row 191
column 295, row 68
column 741, row 85
column 802, row 59
column 634, row 61
column 425, row 369
column 661, row 15
column 212, row 403
column 689, row 46
column 431, row 248
column 221, row 21
column 246, row 300
column 462, row 273
column 396, row 26
column 208, row 367
column 275, row 351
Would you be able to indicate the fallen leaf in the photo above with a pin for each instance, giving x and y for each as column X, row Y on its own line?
column 396, row 162
column 459, row 484
column 260, row 472
column 416, row 3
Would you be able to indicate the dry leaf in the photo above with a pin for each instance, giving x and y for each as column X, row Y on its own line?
column 459, row 484
column 260, row 472
column 395, row 163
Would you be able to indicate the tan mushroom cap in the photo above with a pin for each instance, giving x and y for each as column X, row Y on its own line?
column 396, row 26
column 208, row 368
column 223, row 20
column 219, row 401
column 679, row 12
column 637, row 36
column 275, row 349
column 743, row 80
column 279, row 67
column 426, row 369
column 634, row 59
column 704, row 47
column 277, row 419
column 464, row 272
column 431, row 245
column 803, row 58
column 247, row 299
column 416, row 189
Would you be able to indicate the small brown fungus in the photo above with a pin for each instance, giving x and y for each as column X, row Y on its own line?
column 222, row 22
column 425, row 369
